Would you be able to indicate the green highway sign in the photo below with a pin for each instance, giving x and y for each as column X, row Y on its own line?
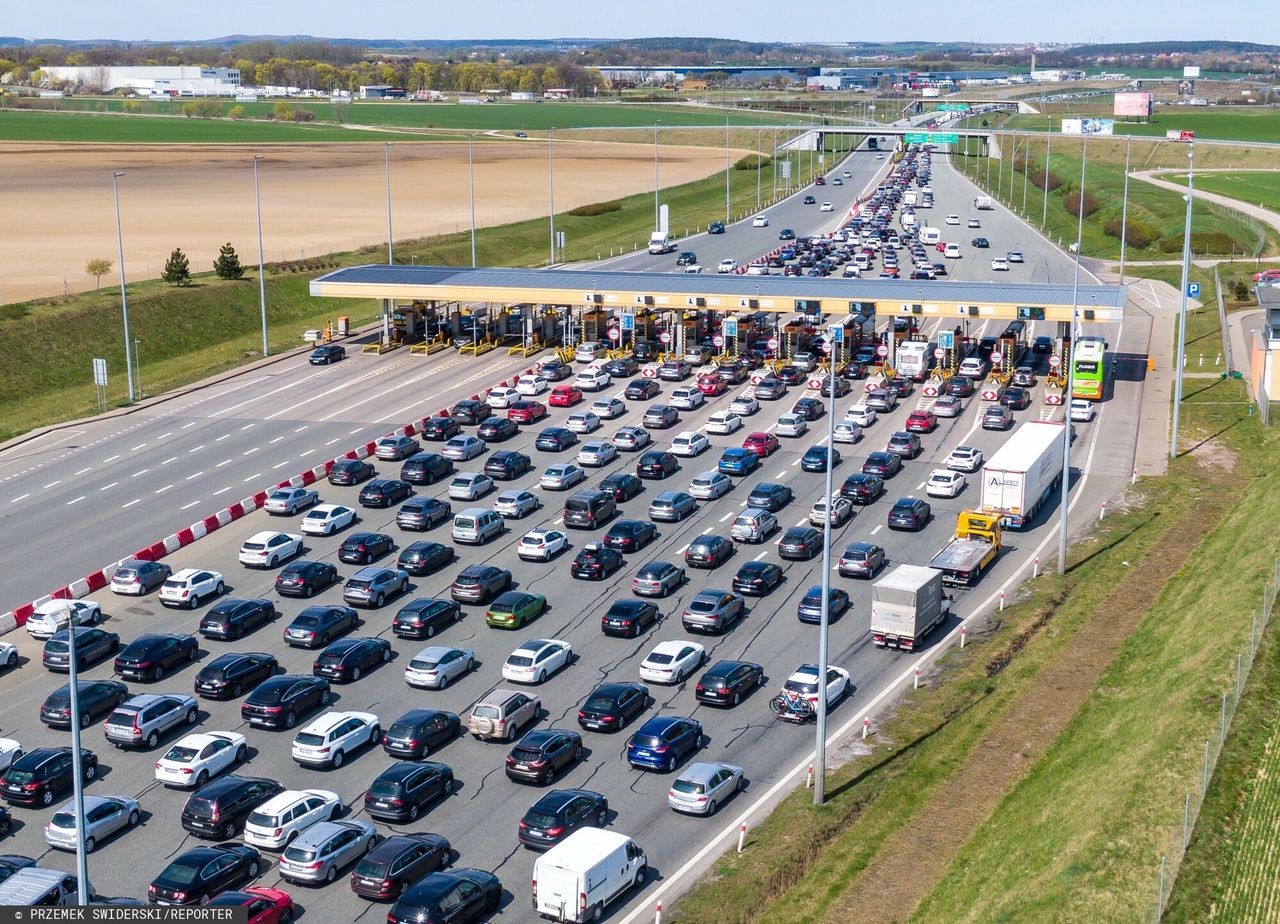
column 953, row 107
column 930, row 137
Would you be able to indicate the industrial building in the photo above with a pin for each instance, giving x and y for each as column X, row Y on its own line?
column 150, row 81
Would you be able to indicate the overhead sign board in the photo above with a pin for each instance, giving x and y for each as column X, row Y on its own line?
column 953, row 107
column 930, row 137
column 1088, row 126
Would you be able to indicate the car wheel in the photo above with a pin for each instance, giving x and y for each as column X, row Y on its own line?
column 236, row 691
column 201, row 778
column 241, row 754
column 13, row 660
column 331, row 875
column 337, row 759
column 550, row 777
column 444, row 682
column 737, row 698
column 325, row 698
column 195, row 601
column 84, row 720
column 413, row 812
column 291, row 719
column 157, row 673
column 355, row 674
column 46, row 798
column 220, row 589
column 153, row 739
column 229, row 832
column 711, row 807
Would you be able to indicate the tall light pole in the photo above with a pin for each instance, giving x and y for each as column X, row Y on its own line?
column 820, row 759
column 726, row 170
column 1124, row 208
column 1182, row 308
column 471, row 177
column 759, row 163
column 77, row 766
column 124, row 299
column 387, row 160
column 262, row 276
column 656, row 225
column 1048, row 147
column 551, row 196
column 1071, row 329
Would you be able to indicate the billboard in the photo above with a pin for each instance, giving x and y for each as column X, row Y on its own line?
column 1132, row 104
column 1190, row 71
column 1088, row 126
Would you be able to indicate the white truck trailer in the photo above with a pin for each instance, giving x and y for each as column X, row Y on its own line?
column 905, row 605
column 1024, row 472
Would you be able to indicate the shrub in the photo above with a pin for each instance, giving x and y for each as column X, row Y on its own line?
column 752, row 162
column 236, row 112
column 202, row 109
column 1040, row 180
column 596, row 208
column 1241, row 290
column 1202, row 242
column 303, row 115
column 1072, row 203
column 131, row 105
column 1136, row 234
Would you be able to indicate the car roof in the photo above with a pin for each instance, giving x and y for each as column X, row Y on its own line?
column 673, row 646
column 331, row 720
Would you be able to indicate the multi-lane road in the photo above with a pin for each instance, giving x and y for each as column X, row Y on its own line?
column 82, row 497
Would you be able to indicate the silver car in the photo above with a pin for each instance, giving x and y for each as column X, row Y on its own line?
column 671, row 506
column 393, row 448
column 103, row 816
column 319, row 853
column 436, row 666
column 516, row 503
column 710, row 485
column 702, row 787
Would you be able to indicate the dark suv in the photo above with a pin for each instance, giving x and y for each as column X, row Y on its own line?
column 559, row 813
column 229, row 675
column 506, row 464
column 542, row 753
column 350, row 471
column 425, row 468
column 92, row 643
column 424, row 617
column 316, row 626
column 398, row 862
column 363, row 548
column 384, row 492
column 229, row 619
column 37, row 777
column 96, row 698
column 402, row 790
column 303, row 578
column 278, row 701
column 479, row 583
column 419, row 732
column 422, row 513
column 218, row 809
column 470, row 412
column 150, row 657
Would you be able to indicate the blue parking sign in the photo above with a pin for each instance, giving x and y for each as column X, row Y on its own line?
column 731, row 327
column 628, row 322
column 1193, row 290
column 837, row 333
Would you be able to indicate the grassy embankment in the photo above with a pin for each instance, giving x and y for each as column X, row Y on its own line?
column 1220, row 123
column 1076, row 830
column 1256, row 188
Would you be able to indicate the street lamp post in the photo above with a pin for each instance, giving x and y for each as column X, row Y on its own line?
column 77, row 766
column 656, row 225
column 820, row 759
column 1124, row 207
column 759, row 163
column 124, row 299
column 387, row 157
column 551, row 196
column 262, row 276
column 471, row 177
column 1182, row 308
column 726, row 170
column 1071, row 329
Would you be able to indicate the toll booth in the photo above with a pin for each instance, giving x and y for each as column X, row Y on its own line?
column 646, row 325
column 1010, row 347
column 1055, row 383
column 795, row 339
column 594, row 326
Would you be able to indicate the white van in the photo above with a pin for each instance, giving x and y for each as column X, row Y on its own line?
column 930, row 235
column 577, row 878
column 476, row 526
column 35, row 886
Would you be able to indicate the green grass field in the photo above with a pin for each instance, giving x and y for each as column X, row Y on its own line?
column 1217, row 123
column 119, row 129
column 1257, row 188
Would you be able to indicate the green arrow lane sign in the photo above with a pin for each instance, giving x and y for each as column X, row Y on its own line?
column 930, row 137
column 953, row 107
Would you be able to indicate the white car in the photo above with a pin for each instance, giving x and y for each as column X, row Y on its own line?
column 597, row 453
column 948, row 406
column 710, row 485
column 463, row 448
column 1015, row 256
column 288, row 501
column 687, row 398
column 541, row 544
column 536, row 660
column 861, row 415
column 561, row 476
column 953, row 219
column 841, row 511
column 673, row 661
column 724, row 422
column 744, row 405
column 727, row 266
column 975, row 223
column 470, row 485
column 1081, row 410
column 195, row 759
column 593, row 379
column 632, row 439
column 582, row 422
column 276, row 822
column 964, row 459
column 944, row 482
column 437, row 666
column 804, row 682
column 516, row 503
column 1000, row 263
column 10, row 750
column 846, row 432
column 8, row 655
column 268, row 548
column 806, row 361
column 760, row 221
column 826, row 207
column 329, row 739
column 503, row 396
column 951, row 251
column 689, row 443
column 191, row 585
column 608, row 408
column 757, row 269
column 55, row 615
column 972, row 367
column 791, row 425
column 530, row 386
column 327, row 519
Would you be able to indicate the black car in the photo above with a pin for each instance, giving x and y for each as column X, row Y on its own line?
column 900, row 386
column 455, row 896
column 789, row 375
column 425, row 557
column 815, row 458
column 541, row 754
column 424, row 617
column 628, row 617
column 350, row 471
column 383, row 492
column 641, row 389
column 1016, row 398
column 400, row 792
column 757, row 578
column 686, row 258
column 470, row 411
column 234, row 618
column 769, row 496
column 843, row 387
column 861, row 560
column 559, row 813
column 555, row 439
column 959, row 386
column 39, row 776
column 656, row 463
column 347, row 658
column 809, row 408
column 419, row 732
column 726, row 682
column 497, row 429
column 708, row 551
column 92, row 644
column 202, row 872
column 316, row 626
column 425, row 468
column 505, row 465
column 862, row 488
column 278, row 701
column 909, row 513
column 439, row 429
column 422, row 513
column 363, row 548
column 229, row 675
column 716, row 227
column 95, row 698
column 622, row 367
column 302, row 578
column 810, row 607
column 151, row 656
column 595, row 563
column 1042, row 344
column 398, row 862
column 10, row 863
column 327, row 353
column 630, row 535
column 884, row 464
column 800, row 543
column 623, row 485
column 610, row 706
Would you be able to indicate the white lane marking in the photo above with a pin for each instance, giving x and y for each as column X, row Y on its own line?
column 307, row 453
column 107, row 487
column 162, row 490
column 163, row 435
column 303, row 427
column 760, row 556
column 20, row 497
column 246, row 427
column 76, row 501
column 83, row 470
column 189, row 506
column 684, row 549
column 225, row 436
column 795, row 463
column 877, row 529
column 921, row 485
column 248, row 451
column 194, row 475
column 112, row 459
column 52, row 483
column 223, row 462
column 253, row 476
column 355, row 431
column 280, row 464
column 277, row 439
column 136, row 500
column 221, row 491
column 188, row 425
column 559, row 521
column 170, row 459
column 195, row 448
column 142, row 472
column 726, row 516
column 336, row 439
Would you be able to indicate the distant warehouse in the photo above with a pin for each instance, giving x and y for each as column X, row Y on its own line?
column 148, row 81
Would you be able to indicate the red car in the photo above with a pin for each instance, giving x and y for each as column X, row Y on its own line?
column 526, row 411
column 266, row 906
column 712, row 385
column 921, row 422
column 941, row 246
column 1266, row 274
column 891, row 270
column 762, row 444
column 565, row 396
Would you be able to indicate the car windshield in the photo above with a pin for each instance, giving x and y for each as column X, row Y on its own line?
column 660, row 658
column 519, row 661
column 300, row 854
column 180, row 754
column 263, row 820
column 178, row 874
column 689, row 786
column 798, row 686
column 703, row 606
column 486, row 712
column 424, row 664
column 309, row 739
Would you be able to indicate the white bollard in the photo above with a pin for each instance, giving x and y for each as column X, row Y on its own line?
column 1133, row 479
column 1035, row 567
column 1102, row 512
column 808, row 778
column 964, row 633
column 657, row 914
column 1002, row 601
column 866, row 726
column 915, row 685
column 1218, row 361
column 742, row 836
column 1201, row 359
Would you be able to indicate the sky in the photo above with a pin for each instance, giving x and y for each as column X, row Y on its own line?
column 752, row 20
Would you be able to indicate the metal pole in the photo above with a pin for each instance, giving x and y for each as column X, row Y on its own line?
column 77, row 767
column 137, row 365
column 1182, row 308
column 262, row 276
column 124, row 300
column 656, row 225
column 1124, row 208
column 1026, row 172
column 726, row 170
column 1075, row 312
column 551, row 195
column 759, row 163
column 387, row 156
column 471, row 177
column 773, row 160
column 1048, row 146
column 820, row 762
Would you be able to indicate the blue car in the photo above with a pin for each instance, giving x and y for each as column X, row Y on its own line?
column 663, row 741
column 555, row 439
column 810, row 607
column 736, row 461
column 815, row 459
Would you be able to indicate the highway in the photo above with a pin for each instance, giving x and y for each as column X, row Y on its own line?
column 84, row 497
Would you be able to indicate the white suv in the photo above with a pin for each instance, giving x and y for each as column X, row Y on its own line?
column 191, row 585
column 327, row 740
column 276, row 822
column 760, row 221
column 268, row 548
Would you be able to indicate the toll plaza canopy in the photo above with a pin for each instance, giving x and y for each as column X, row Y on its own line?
column 725, row 292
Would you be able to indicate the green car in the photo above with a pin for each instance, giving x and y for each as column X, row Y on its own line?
column 514, row 608
column 980, row 242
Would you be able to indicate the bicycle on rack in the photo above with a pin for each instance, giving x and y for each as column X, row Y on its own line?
column 792, row 707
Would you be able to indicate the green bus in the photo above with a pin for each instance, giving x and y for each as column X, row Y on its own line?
column 1088, row 367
